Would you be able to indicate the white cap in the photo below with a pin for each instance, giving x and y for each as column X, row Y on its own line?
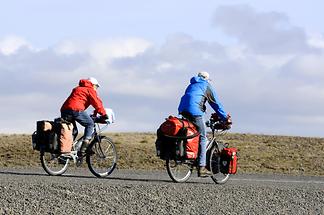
column 204, row 75
column 94, row 81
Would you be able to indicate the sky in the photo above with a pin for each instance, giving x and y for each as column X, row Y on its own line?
column 265, row 59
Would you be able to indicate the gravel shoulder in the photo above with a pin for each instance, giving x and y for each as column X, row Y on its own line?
column 31, row 191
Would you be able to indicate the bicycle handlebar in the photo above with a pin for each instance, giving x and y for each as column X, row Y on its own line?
column 215, row 123
column 100, row 120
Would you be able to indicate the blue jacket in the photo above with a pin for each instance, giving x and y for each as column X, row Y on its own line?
column 197, row 93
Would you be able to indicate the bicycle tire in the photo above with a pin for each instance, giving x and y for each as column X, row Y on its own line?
column 214, row 165
column 54, row 164
column 103, row 160
column 178, row 171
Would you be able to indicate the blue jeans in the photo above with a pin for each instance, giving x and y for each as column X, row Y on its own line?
column 201, row 126
column 81, row 117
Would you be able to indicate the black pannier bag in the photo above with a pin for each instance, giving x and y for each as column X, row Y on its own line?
column 45, row 137
column 168, row 147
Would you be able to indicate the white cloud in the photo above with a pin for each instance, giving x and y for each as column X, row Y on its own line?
column 70, row 47
column 264, row 33
column 316, row 40
column 104, row 51
column 307, row 68
column 10, row 44
column 270, row 80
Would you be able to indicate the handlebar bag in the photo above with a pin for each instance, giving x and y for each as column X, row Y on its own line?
column 229, row 160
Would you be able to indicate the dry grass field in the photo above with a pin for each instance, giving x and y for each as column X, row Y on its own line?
column 257, row 153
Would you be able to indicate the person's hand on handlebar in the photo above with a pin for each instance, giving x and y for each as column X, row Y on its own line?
column 104, row 117
column 223, row 124
column 100, row 119
column 228, row 122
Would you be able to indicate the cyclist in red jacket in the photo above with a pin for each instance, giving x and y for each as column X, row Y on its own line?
column 75, row 105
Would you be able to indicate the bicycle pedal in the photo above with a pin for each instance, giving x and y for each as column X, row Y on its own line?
column 79, row 161
column 67, row 155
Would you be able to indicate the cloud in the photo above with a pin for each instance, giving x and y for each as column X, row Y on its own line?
column 105, row 50
column 269, row 79
column 307, row 69
column 10, row 44
column 316, row 40
column 264, row 33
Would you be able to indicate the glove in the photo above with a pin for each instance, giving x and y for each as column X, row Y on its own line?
column 102, row 119
column 104, row 116
column 228, row 122
column 93, row 115
column 215, row 117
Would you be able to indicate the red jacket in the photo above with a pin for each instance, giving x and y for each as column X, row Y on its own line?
column 82, row 97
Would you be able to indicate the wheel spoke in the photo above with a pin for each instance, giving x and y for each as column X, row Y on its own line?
column 178, row 171
column 103, row 162
column 53, row 164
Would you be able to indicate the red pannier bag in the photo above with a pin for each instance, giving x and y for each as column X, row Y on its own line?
column 192, row 144
column 185, row 130
column 172, row 125
column 230, row 155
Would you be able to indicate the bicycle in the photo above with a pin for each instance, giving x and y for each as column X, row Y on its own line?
column 180, row 169
column 101, row 155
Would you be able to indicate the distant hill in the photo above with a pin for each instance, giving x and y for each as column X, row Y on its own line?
column 257, row 153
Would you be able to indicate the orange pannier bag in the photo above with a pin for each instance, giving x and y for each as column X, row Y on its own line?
column 65, row 136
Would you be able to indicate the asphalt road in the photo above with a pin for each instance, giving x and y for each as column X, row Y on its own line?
column 31, row 191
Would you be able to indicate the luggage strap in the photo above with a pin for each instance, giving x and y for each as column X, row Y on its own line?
column 182, row 137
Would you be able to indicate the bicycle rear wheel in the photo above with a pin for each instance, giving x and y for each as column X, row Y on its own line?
column 103, row 160
column 178, row 171
column 215, row 167
column 54, row 164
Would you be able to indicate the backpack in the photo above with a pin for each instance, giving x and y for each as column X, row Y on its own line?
column 177, row 138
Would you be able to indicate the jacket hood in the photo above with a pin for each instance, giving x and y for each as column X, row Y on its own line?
column 197, row 79
column 85, row 83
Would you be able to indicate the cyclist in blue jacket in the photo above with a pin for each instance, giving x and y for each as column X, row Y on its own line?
column 192, row 106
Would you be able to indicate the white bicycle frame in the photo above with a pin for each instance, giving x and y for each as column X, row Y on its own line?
column 77, row 143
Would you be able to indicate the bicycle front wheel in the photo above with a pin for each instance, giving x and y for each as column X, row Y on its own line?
column 215, row 166
column 54, row 164
column 178, row 171
column 103, row 159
